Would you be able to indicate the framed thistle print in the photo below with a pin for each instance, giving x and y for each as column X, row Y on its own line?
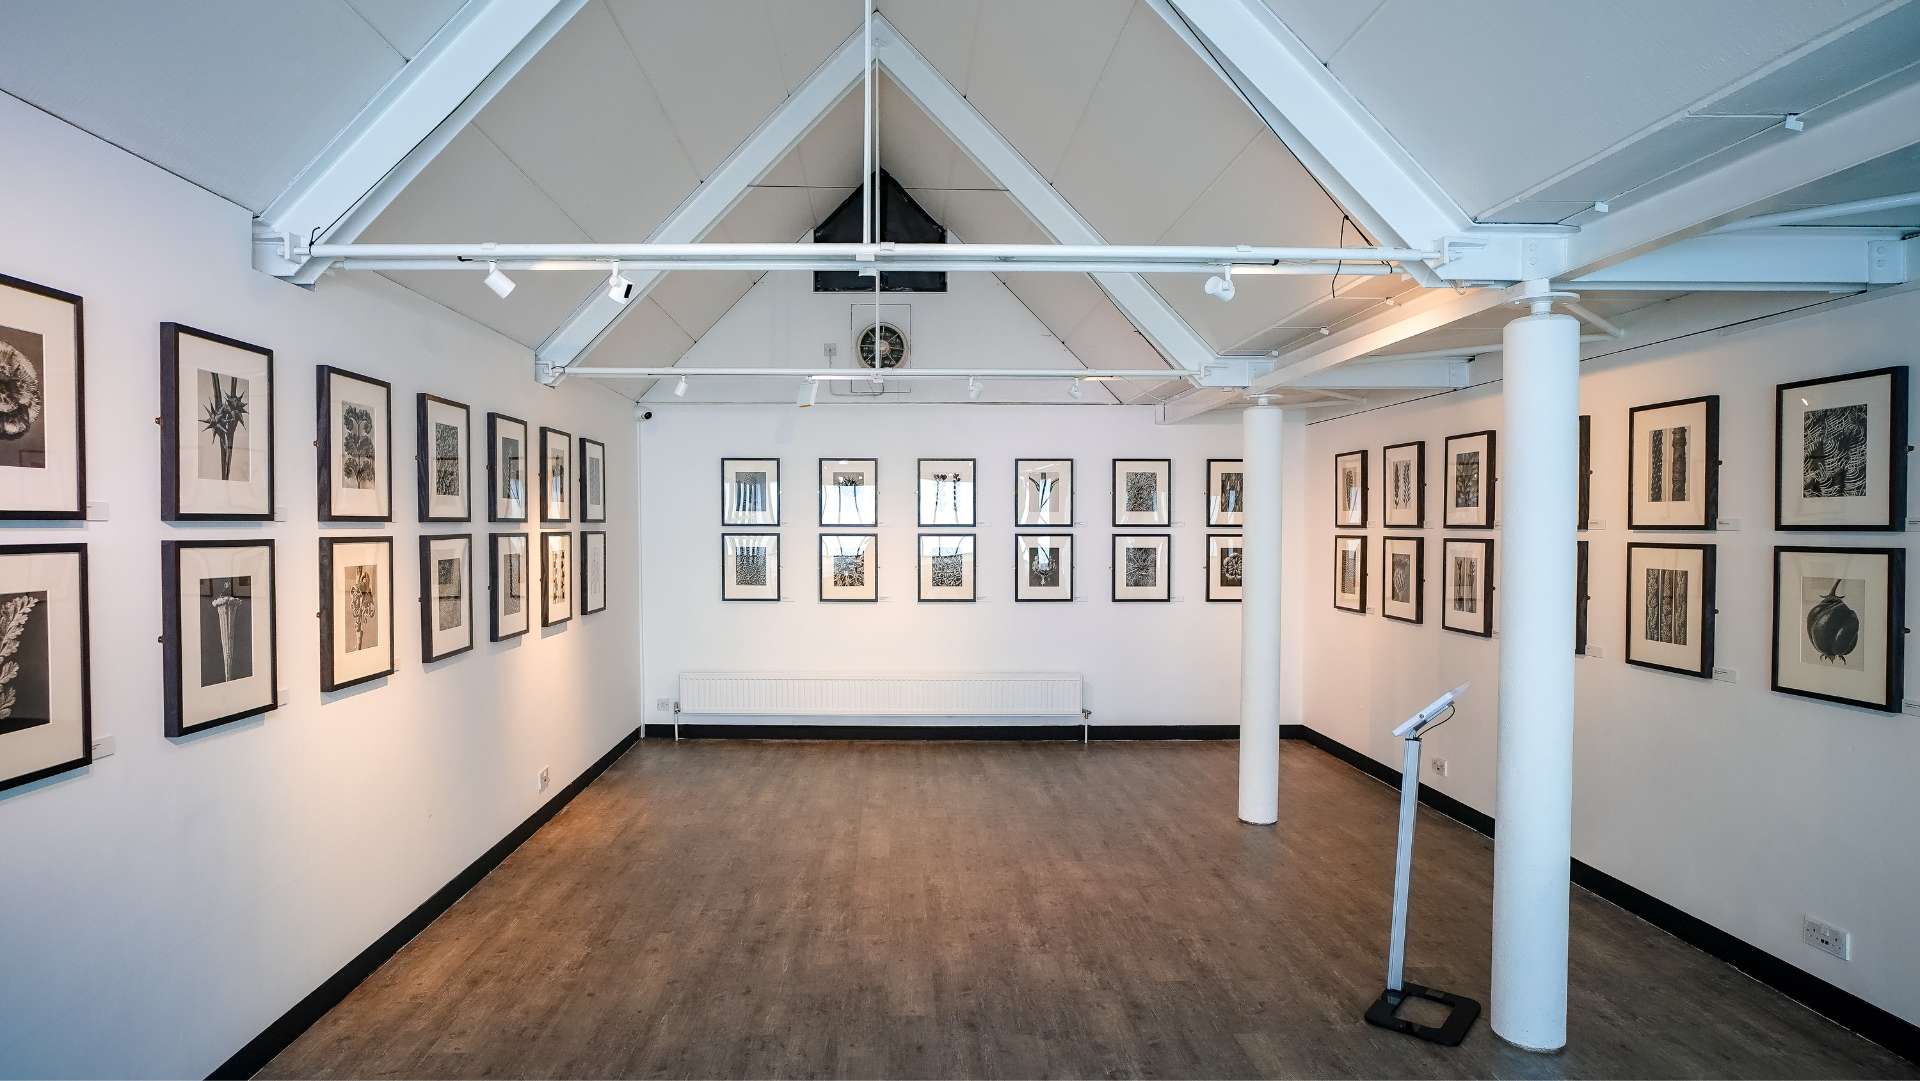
column 1226, row 558
column 1143, row 567
column 219, row 644
column 749, row 566
column 1226, row 492
column 593, row 480
column 440, row 457
column 1840, row 452
column 1142, row 491
column 1839, row 624
column 1403, row 468
column 216, row 421
column 1580, row 597
column 849, row 491
column 1350, row 573
column 749, row 491
column 1043, row 567
column 1584, row 501
column 556, row 475
column 1673, row 464
column 46, row 715
column 509, row 584
column 946, row 567
column 1467, row 586
column 593, row 571
column 1468, row 499
column 1350, row 489
column 1670, row 607
column 356, row 447
column 849, row 567
column 556, row 592
column 506, row 468
column 946, row 494
column 446, row 596
column 1042, row 492
column 43, row 444
column 356, row 610
column 1403, row 578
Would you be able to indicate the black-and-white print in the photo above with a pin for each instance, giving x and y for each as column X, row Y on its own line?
column 514, row 588
column 1232, row 488
column 1350, row 494
column 1466, row 479
column 1832, row 621
column 1834, row 452
column 596, row 480
column 1349, row 569
column 226, row 629
column 946, row 497
column 449, row 582
column 363, row 607
column 25, row 696
column 1400, row 484
column 1666, row 605
column 223, row 417
column 1143, row 565
column 1667, row 465
column 1400, row 577
column 849, row 569
column 1042, row 489
column 23, row 436
column 356, row 445
column 1043, row 565
column 750, row 493
column 948, row 570
column 1465, row 594
column 557, row 477
column 1143, row 493
column 750, row 564
column 557, row 575
column 1231, row 561
column 847, row 492
column 446, row 459
column 513, row 472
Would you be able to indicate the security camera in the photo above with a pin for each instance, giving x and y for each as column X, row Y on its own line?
column 648, row 415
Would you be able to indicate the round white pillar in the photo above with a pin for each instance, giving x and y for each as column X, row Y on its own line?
column 1260, row 619
column 1533, row 803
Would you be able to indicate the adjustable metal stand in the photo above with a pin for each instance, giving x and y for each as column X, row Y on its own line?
column 1462, row 1012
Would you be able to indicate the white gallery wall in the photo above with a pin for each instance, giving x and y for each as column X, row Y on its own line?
column 169, row 902
column 1740, row 806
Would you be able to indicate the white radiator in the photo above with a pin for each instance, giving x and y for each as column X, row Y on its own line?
column 881, row 694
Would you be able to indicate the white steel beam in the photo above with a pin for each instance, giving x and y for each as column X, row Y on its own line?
column 1797, row 256
column 1428, row 311
column 1201, row 401
column 1446, row 373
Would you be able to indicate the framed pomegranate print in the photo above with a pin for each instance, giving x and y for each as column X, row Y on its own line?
column 1838, row 624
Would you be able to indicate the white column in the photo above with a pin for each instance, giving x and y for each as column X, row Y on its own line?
column 1260, row 619
column 1533, row 805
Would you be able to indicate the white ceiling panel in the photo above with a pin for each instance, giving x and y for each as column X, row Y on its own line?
column 912, row 147
column 940, row 30
column 1640, row 162
column 807, row 31
column 539, row 303
column 1104, row 339
column 646, row 338
column 1881, row 47
column 713, row 66
column 1324, row 25
column 1263, row 197
column 1061, row 301
column 407, row 25
column 990, row 217
column 696, row 300
column 831, row 153
column 1035, row 65
column 770, row 216
column 1259, row 302
column 1893, row 174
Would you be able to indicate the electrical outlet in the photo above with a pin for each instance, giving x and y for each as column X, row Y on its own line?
column 1727, row 675
column 543, row 777
column 663, row 705
column 1826, row 938
column 1440, row 767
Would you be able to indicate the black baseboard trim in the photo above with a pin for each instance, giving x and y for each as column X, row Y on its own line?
column 1163, row 731
column 1017, row 733
column 260, row 1050
column 1842, row 1007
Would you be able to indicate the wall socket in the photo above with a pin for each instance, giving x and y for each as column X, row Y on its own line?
column 543, row 777
column 1826, row 938
column 1440, row 766
column 663, row 705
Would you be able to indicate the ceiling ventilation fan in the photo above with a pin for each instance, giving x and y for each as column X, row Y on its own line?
column 881, row 346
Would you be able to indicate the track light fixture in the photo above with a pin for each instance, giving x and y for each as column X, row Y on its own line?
column 619, row 286
column 1073, row 390
column 680, row 388
column 973, row 389
column 498, row 282
column 809, row 394
column 1221, row 286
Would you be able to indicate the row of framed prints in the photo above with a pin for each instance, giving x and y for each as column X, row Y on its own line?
column 849, row 567
column 946, row 493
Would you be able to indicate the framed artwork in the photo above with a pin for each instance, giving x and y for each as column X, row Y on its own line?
column 849, row 491
column 1673, row 464
column 46, row 725
column 1042, row 492
column 1839, row 624
column 749, row 566
column 1043, row 567
column 1580, row 597
column 219, row 644
column 446, row 596
column 556, row 579
column 506, row 468
column 356, row 610
column 1143, row 567
column 1403, row 502
column 1226, row 557
column 356, row 447
column 1670, row 597
column 1142, row 491
column 441, row 465
column 593, row 480
column 1467, row 594
column 947, row 566
column 216, row 422
column 1840, row 452
column 1468, row 501
column 1585, row 498
column 1226, row 492
column 1350, row 489
column 556, row 464
column 749, row 491
column 946, row 492
column 1403, row 577
column 43, row 420
column 509, row 583
column 849, row 567
column 593, row 571
column 1350, row 573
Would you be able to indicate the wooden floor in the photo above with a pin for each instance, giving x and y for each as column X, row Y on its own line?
column 742, row 909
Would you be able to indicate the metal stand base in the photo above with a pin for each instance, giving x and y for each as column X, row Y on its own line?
column 1461, row 1014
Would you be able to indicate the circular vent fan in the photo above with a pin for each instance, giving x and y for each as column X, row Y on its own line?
column 891, row 352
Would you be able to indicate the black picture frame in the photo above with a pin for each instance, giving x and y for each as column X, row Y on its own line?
column 323, row 442
column 779, row 586
column 327, row 681
column 547, row 515
column 973, row 491
column 1489, row 479
column 1020, row 542
column 581, row 443
column 1213, row 577
column 423, row 458
column 1583, row 513
column 777, row 492
column 1708, row 598
column 873, row 568
column 173, row 644
column 1896, row 627
column 547, row 618
column 170, row 426
column 494, row 465
column 1419, row 484
column 85, row 757
column 1214, row 511
column 428, row 600
column 580, row 557
column 820, row 503
column 1072, row 495
column 1898, row 451
column 78, row 511
column 1419, row 577
column 920, row 554
column 1580, row 598
column 1359, row 594
column 1711, row 481
column 1166, row 569
column 1166, row 501
column 1486, row 585
column 1338, row 460
column 494, row 542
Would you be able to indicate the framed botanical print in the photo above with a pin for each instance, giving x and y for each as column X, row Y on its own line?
column 356, row 447
column 1840, row 452
column 216, row 421
column 1350, row 489
column 593, row 480
column 1670, row 598
column 1673, row 464
column 946, row 493
column 1043, row 567
column 1584, row 500
column 1350, row 573
column 43, row 443
column 1467, row 586
column 1580, row 597
column 1839, row 624
column 1226, row 492
column 749, row 566
column 1142, row 491
column 1226, row 559
column 356, row 610
column 1403, row 577
column 46, row 726
column 749, row 491
column 556, row 475
column 443, row 440
column 849, row 491
column 509, row 584
column 1468, row 499
column 219, row 643
column 506, row 468
column 446, row 596
column 1042, row 492
column 593, row 571
column 947, row 566
column 556, row 592
column 1143, row 567
column 1403, row 498
column 849, row 567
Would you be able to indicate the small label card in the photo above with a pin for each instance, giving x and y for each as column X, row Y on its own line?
column 1726, row 675
column 1726, row 523
column 1595, row 651
column 1594, row 525
column 96, row 512
column 1910, row 707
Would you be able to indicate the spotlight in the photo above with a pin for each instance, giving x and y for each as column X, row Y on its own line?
column 1073, row 390
column 973, row 389
column 1221, row 287
column 808, row 394
column 619, row 286
column 498, row 282
column 680, row 388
